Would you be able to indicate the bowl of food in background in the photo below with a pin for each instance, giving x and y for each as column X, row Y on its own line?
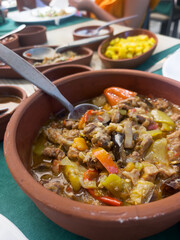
column 128, row 49
column 10, row 98
column 32, row 35
column 65, row 70
column 11, row 41
column 79, row 55
column 87, row 32
column 113, row 172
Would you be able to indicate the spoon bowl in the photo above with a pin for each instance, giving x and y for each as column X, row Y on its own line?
column 31, row 74
column 39, row 53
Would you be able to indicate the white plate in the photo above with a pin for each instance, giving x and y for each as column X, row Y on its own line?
column 171, row 67
column 30, row 16
column 11, row 4
column 9, row 231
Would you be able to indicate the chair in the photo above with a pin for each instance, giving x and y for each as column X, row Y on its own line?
column 167, row 12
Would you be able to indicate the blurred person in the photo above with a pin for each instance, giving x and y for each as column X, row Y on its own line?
column 31, row 4
column 108, row 10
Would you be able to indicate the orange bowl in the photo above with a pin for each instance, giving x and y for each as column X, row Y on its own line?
column 126, row 63
column 79, row 33
column 90, row 221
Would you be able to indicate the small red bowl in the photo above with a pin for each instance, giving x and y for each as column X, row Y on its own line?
column 126, row 63
column 32, row 35
column 78, row 34
column 11, row 41
column 65, row 70
column 5, row 117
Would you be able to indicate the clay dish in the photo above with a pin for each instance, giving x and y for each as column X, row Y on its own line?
column 7, row 72
column 126, row 63
column 32, row 35
column 5, row 116
column 64, row 70
column 79, row 33
column 92, row 222
column 14, row 43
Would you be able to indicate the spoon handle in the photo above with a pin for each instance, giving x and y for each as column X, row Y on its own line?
column 81, row 42
column 21, row 27
column 30, row 73
column 115, row 21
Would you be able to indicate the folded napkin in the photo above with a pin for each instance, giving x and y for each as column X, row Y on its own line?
column 157, row 57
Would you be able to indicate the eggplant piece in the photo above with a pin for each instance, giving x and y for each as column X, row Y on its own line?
column 118, row 140
column 171, row 186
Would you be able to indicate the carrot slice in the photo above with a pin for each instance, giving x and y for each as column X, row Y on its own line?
column 106, row 160
column 116, row 94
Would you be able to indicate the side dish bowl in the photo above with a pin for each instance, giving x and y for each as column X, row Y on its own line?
column 32, row 35
column 11, row 41
column 7, row 72
column 126, row 62
column 92, row 222
column 65, row 70
column 82, row 33
column 7, row 91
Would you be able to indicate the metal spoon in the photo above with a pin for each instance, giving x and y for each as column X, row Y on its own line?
column 39, row 53
column 94, row 32
column 21, row 27
column 3, row 110
column 30, row 73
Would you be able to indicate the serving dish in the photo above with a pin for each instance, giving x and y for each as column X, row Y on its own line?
column 170, row 67
column 82, row 33
column 65, row 70
column 131, row 62
column 93, row 222
column 9, row 91
column 29, row 17
column 32, row 35
column 12, row 41
column 8, row 72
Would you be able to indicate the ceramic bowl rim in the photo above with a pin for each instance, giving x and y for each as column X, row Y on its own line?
column 100, row 214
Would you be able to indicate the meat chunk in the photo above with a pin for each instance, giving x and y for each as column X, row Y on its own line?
column 161, row 104
column 54, row 152
column 174, row 141
column 145, row 144
column 63, row 137
column 166, row 171
column 132, row 175
column 98, row 135
column 92, row 162
column 115, row 116
column 150, row 172
column 128, row 142
column 70, row 124
column 73, row 153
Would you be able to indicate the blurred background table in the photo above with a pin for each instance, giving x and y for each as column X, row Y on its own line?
column 14, row 204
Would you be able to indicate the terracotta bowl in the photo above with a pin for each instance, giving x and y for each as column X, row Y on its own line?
column 78, row 34
column 5, row 117
column 32, row 35
column 7, row 72
column 126, row 63
column 64, row 70
column 14, row 43
column 92, row 222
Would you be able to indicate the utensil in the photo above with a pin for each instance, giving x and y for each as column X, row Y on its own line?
column 3, row 110
column 40, row 53
column 21, row 27
column 96, row 31
column 30, row 73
